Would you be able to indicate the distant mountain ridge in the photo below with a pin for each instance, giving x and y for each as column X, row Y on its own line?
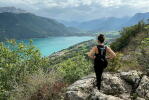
column 18, row 24
column 136, row 18
column 110, row 23
column 12, row 10
column 104, row 24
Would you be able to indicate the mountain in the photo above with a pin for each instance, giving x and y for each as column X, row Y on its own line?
column 27, row 25
column 112, row 23
column 70, row 23
column 103, row 24
column 12, row 10
column 136, row 18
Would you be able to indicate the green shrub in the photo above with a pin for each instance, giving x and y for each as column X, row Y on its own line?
column 143, row 57
column 126, row 35
column 74, row 68
column 115, row 64
column 16, row 61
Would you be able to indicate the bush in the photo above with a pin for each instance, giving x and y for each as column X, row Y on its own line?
column 38, row 86
column 115, row 64
column 16, row 61
column 126, row 35
column 143, row 57
column 74, row 68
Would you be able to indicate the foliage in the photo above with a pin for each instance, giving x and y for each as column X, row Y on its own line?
column 126, row 35
column 116, row 63
column 37, row 86
column 23, row 72
column 143, row 58
column 74, row 68
column 71, row 52
column 16, row 61
column 145, row 42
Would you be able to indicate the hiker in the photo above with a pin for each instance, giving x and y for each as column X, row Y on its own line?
column 98, row 53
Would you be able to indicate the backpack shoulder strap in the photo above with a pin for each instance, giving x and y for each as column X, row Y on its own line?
column 105, row 47
column 98, row 49
column 101, row 49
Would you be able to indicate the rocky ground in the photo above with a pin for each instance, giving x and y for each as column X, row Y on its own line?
column 131, row 85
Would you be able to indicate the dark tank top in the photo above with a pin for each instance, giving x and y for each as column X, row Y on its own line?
column 100, row 60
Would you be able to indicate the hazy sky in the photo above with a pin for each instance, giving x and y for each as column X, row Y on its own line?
column 80, row 9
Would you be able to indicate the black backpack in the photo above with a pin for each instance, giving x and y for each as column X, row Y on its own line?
column 101, row 56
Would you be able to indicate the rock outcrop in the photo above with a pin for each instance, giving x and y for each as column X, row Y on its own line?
column 132, row 85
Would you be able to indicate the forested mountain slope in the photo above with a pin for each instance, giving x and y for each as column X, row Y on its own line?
column 27, row 25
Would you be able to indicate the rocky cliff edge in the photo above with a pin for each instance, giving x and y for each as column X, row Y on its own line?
column 131, row 85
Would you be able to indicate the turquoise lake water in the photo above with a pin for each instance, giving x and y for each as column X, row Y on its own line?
column 50, row 45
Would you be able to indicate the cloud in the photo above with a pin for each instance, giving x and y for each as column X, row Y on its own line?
column 76, row 3
column 80, row 9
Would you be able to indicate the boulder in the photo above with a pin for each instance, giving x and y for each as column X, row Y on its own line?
column 81, row 89
column 132, row 77
column 96, row 95
column 138, row 98
column 113, row 84
column 125, row 96
column 143, row 88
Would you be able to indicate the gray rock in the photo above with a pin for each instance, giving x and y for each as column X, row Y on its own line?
column 143, row 89
column 147, row 72
column 138, row 98
column 86, row 83
column 126, row 57
column 125, row 96
column 100, row 96
column 132, row 77
column 113, row 84
column 81, row 89
column 76, row 95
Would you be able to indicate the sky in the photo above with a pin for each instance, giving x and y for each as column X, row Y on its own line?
column 80, row 10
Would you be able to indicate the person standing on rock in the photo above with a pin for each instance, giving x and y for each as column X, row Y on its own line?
column 98, row 53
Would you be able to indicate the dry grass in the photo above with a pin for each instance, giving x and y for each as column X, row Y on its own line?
column 39, row 86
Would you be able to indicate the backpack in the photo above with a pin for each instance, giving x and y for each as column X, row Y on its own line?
column 100, row 59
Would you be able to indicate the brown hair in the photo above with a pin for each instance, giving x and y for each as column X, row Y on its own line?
column 101, row 38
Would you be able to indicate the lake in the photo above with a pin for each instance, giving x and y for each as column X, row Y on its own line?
column 50, row 45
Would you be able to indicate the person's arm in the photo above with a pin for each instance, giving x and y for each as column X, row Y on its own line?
column 111, row 53
column 92, row 52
